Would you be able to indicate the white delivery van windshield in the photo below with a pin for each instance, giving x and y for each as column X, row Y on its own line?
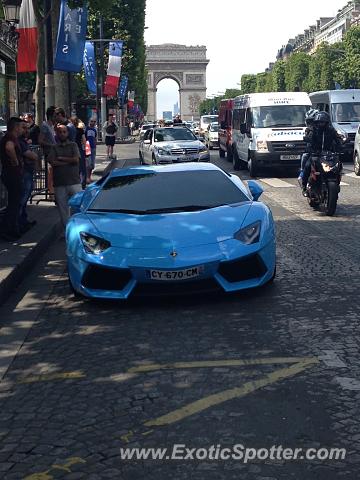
column 279, row 116
column 345, row 112
column 206, row 120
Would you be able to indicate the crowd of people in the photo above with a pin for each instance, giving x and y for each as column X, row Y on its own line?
column 68, row 146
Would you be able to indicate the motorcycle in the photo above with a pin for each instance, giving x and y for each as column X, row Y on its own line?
column 324, row 182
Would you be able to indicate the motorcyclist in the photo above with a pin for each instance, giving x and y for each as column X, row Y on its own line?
column 321, row 137
column 309, row 122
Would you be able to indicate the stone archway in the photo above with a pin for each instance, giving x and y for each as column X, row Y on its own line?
column 185, row 65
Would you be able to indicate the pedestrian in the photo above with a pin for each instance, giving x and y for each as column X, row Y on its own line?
column 60, row 117
column 91, row 137
column 110, row 128
column 64, row 158
column 34, row 130
column 177, row 120
column 47, row 131
column 12, row 178
column 80, row 140
column 31, row 163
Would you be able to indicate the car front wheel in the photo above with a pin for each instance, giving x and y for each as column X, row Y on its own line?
column 357, row 164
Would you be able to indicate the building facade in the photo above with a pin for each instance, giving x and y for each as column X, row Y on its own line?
column 326, row 29
column 8, row 88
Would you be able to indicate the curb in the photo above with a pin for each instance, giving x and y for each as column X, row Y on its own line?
column 15, row 277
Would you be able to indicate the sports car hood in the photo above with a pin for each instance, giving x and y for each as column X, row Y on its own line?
column 170, row 230
column 180, row 144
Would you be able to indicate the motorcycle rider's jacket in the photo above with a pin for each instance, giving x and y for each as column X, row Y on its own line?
column 322, row 139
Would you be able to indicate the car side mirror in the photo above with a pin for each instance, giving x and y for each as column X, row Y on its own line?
column 75, row 202
column 147, row 142
column 255, row 189
column 243, row 128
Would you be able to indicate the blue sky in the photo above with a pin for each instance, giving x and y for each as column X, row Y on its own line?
column 241, row 37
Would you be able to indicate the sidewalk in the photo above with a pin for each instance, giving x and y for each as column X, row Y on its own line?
column 19, row 257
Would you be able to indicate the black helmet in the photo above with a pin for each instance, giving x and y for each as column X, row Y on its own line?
column 322, row 119
column 310, row 116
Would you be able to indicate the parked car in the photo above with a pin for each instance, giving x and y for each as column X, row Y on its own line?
column 182, row 228
column 357, row 152
column 171, row 145
column 343, row 106
column 3, row 127
column 145, row 128
column 212, row 136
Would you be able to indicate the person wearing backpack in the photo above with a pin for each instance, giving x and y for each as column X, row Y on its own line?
column 110, row 128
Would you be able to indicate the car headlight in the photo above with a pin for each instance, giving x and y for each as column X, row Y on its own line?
column 163, row 151
column 342, row 134
column 203, row 149
column 262, row 146
column 93, row 244
column 249, row 234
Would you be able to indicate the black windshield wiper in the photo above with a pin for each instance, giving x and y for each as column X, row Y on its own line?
column 278, row 125
column 183, row 208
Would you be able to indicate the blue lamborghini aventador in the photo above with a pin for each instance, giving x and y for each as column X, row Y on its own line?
column 169, row 229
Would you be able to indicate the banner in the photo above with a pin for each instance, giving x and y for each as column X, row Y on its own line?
column 90, row 66
column 123, row 89
column 28, row 35
column 71, row 38
column 131, row 99
column 114, row 68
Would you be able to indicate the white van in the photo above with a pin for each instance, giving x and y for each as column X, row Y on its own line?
column 268, row 130
column 205, row 121
column 343, row 106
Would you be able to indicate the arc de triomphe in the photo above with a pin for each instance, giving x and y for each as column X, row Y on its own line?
column 185, row 65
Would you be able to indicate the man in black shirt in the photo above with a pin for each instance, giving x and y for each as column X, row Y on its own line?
column 12, row 178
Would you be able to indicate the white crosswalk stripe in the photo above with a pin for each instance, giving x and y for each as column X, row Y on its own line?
column 276, row 183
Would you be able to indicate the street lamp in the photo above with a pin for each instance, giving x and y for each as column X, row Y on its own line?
column 12, row 10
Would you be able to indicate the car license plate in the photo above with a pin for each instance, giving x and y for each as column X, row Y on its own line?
column 289, row 157
column 170, row 275
column 186, row 158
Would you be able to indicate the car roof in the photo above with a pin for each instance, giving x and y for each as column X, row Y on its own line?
column 179, row 167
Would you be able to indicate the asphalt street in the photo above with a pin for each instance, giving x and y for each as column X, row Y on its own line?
column 278, row 366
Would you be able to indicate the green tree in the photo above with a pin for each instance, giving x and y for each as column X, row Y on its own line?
column 248, row 83
column 278, row 76
column 297, row 72
column 348, row 63
column 264, row 82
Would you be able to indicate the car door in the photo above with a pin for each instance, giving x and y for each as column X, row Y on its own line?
column 147, row 154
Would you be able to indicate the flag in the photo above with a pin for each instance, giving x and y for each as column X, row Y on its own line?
column 122, row 89
column 71, row 38
column 90, row 66
column 114, row 68
column 28, row 35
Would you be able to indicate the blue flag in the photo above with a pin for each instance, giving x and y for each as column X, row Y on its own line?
column 71, row 38
column 90, row 66
column 123, row 89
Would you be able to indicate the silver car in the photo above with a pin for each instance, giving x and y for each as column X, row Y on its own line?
column 171, row 145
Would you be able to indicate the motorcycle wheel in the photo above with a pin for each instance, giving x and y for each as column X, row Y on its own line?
column 332, row 198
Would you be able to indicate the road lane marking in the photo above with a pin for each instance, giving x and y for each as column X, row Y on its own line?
column 352, row 175
column 238, row 392
column 217, row 363
column 344, row 184
column 65, row 467
column 48, row 377
column 276, row 183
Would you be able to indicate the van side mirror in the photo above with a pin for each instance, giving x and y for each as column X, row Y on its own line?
column 243, row 128
column 223, row 125
column 147, row 142
column 255, row 189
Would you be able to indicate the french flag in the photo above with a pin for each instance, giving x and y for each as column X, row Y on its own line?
column 28, row 34
column 114, row 69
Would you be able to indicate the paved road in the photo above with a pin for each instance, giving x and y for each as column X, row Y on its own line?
column 276, row 367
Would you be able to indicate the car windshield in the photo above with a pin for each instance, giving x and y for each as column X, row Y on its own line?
column 279, row 116
column 147, row 127
column 173, row 134
column 208, row 120
column 345, row 112
column 214, row 128
column 161, row 192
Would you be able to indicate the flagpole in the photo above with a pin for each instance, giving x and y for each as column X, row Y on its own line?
column 102, row 67
column 49, row 65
